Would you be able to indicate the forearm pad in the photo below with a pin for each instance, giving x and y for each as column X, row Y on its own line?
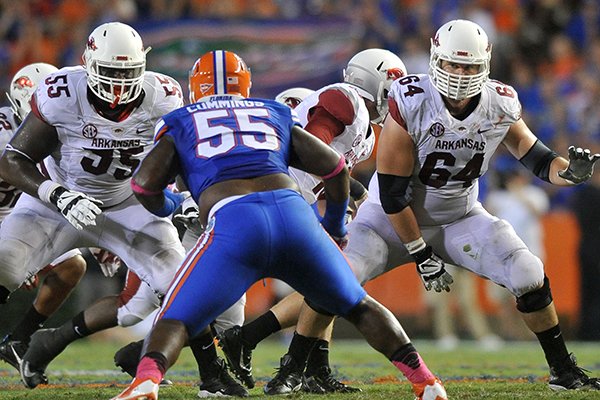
column 392, row 192
column 538, row 160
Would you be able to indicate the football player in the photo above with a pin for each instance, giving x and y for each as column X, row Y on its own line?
column 233, row 153
column 443, row 129
column 340, row 115
column 62, row 274
column 91, row 125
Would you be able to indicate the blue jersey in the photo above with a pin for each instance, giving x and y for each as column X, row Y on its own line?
column 229, row 137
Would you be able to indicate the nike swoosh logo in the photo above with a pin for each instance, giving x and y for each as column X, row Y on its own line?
column 557, row 336
column 25, row 371
column 480, row 131
column 208, row 346
column 140, row 130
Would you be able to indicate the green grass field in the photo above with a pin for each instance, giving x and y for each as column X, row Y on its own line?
column 518, row 371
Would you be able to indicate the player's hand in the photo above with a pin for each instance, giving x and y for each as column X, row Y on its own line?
column 432, row 271
column 189, row 216
column 581, row 165
column 78, row 208
column 109, row 262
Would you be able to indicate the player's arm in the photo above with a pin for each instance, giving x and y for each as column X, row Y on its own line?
column 315, row 157
column 395, row 163
column 33, row 141
column 329, row 117
column 156, row 171
column 545, row 163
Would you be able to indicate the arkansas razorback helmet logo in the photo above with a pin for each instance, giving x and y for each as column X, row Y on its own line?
column 394, row 73
column 91, row 43
column 23, row 82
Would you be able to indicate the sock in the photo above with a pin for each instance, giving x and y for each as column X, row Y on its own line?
column 410, row 363
column 318, row 357
column 71, row 331
column 300, row 348
column 205, row 353
column 152, row 366
column 257, row 330
column 31, row 322
column 554, row 346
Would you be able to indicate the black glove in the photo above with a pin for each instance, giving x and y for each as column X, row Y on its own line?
column 581, row 165
column 432, row 271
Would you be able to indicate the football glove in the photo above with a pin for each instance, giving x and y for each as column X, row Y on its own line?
column 109, row 262
column 581, row 165
column 189, row 216
column 78, row 208
column 432, row 271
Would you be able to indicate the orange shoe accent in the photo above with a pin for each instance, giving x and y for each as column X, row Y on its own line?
column 431, row 389
column 139, row 390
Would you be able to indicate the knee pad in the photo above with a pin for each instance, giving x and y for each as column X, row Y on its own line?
column 525, row 272
column 535, row 300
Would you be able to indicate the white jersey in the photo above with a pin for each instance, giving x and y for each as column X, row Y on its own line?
column 355, row 143
column 451, row 154
column 97, row 156
column 8, row 193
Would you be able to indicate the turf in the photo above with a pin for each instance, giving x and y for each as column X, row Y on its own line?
column 518, row 371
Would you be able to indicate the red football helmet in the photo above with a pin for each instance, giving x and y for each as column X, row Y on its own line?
column 219, row 72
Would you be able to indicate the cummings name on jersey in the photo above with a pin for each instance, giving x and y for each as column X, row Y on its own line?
column 216, row 103
column 459, row 144
column 115, row 143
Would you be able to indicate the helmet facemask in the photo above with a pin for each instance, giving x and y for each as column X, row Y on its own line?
column 115, row 61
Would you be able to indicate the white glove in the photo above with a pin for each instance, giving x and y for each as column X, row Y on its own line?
column 432, row 271
column 79, row 209
column 109, row 262
column 189, row 216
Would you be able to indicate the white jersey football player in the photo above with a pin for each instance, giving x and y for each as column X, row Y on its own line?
column 95, row 124
column 441, row 132
column 63, row 273
column 340, row 115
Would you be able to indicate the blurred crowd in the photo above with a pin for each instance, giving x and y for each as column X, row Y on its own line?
column 548, row 50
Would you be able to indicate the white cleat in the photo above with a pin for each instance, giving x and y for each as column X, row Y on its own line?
column 139, row 390
column 430, row 390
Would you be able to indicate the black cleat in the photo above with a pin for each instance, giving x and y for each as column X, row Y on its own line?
column 44, row 346
column 569, row 376
column 12, row 351
column 288, row 378
column 238, row 354
column 221, row 384
column 323, row 382
column 128, row 357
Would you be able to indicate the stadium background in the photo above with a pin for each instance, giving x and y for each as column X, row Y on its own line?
column 549, row 50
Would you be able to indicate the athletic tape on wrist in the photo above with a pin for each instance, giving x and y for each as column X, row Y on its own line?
column 45, row 190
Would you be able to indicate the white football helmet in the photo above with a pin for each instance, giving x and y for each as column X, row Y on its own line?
column 372, row 72
column 463, row 42
column 24, row 84
column 293, row 96
column 115, row 60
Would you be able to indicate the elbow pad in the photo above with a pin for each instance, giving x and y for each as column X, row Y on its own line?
column 538, row 160
column 392, row 192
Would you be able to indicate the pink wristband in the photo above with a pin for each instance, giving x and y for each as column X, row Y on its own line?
column 339, row 167
column 140, row 190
